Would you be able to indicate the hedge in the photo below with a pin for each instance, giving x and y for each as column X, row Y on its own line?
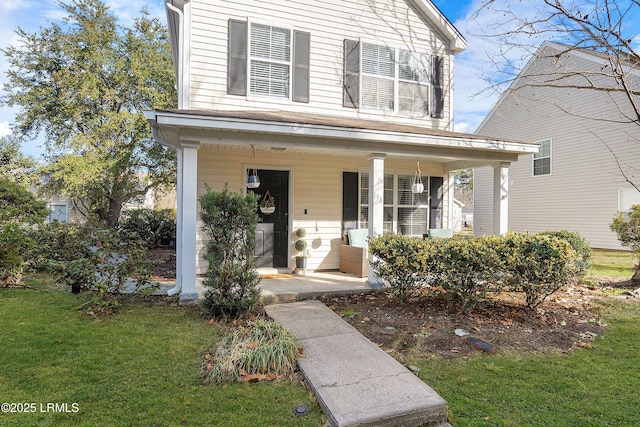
column 467, row 268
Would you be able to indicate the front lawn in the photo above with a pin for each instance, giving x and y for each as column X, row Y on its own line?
column 139, row 367
column 595, row 386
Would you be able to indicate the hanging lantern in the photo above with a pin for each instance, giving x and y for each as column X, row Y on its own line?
column 418, row 186
column 253, row 181
column 464, row 177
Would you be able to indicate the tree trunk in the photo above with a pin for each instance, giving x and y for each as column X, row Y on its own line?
column 113, row 214
column 635, row 280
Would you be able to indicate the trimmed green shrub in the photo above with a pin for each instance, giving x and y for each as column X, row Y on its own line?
column 154, row 228
column 627, row 227
column 466, row 268
column 260, row 351
column 538, row 265
column 13, row 240
column 583, row 252
column 229, row 223
column 401, row 261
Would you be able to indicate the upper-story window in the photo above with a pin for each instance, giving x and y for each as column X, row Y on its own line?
column 266, row 60
column 542, row 159
column 392, row 80
column 270, row 60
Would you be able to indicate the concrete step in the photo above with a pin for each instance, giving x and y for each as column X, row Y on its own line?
column 356, row 383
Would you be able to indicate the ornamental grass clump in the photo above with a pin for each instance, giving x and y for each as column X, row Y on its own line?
column 263, row 350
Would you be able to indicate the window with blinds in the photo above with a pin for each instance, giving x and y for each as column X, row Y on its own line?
column 270, row 60
column 628, row 197
column 413, row 83
column 542, row 159
column 404, row 212
column 378, row 76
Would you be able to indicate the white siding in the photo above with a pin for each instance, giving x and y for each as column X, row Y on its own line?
column 581, row 193
column 316, row 183
column 329, row 23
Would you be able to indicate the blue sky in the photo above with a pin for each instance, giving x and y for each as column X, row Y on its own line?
column 469, row 108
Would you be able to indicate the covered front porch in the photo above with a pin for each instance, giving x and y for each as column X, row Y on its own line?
column 309, row 159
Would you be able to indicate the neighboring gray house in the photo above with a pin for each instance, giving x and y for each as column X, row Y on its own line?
column 331, row 103
column 575, row 182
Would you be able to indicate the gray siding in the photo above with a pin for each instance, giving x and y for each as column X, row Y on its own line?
column 581, row 193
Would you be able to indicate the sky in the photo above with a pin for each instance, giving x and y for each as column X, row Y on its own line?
column 470, row 107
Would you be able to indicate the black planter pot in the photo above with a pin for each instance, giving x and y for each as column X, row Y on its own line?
column 301, row 263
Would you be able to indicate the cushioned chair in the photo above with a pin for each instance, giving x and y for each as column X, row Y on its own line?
column 440, row 233
column 353, row 255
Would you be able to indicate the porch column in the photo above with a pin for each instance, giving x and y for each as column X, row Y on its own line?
column 179, row 183
column 188, row 207
column 376, row 207
column 501, row 198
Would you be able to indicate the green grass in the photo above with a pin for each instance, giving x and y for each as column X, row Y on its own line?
column 137, row 368
column 609, row 263
column 589, row 387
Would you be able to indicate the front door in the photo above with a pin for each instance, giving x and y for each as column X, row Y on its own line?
column 272, row 233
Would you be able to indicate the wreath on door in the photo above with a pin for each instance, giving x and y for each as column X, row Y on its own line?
column 268, row 204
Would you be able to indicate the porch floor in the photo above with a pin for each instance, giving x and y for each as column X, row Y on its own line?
column 278, row 287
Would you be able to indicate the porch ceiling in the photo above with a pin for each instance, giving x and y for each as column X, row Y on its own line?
column 334, row 136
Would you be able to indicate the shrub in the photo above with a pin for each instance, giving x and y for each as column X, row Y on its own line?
column 466, row 268
column 538, row 265
column 583, row 252
column 627, row 227
column 229, row 223
column 154, row 228
column 57, row 242
column 261, row 351
column 401, row 261
column 19, row 210
column 12, row 240
column 110, row 267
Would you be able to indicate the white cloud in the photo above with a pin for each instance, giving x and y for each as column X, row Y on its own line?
column 5, row 129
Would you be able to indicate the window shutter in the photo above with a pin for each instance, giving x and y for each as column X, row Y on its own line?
column 437, row 88
column 435, row 201
column 301, row 41
column 237, row 58
column 351, row 77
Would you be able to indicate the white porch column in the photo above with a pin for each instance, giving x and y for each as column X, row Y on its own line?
column 179, row 183
column 188, row 208
column 501, row 198
column 448, row 194
column 376, row 207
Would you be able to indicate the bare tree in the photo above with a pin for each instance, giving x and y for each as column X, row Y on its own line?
column 604, row 28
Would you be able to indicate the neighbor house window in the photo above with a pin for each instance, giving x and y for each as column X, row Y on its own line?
column 58, row 213
column 542, row 159
column 384, row 78
column 266, row 60
column 626, row 198
column 404, row 212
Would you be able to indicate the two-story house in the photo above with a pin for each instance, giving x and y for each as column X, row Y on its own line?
column 568, row 101
column 331, row 104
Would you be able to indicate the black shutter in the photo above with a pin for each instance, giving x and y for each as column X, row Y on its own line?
column 437, row 88
column 237, row 58
column 435, row 201
column 351, row 74
column 349, row 201
column 301, row 55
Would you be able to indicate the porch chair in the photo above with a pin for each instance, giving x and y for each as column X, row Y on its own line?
column 353, row 254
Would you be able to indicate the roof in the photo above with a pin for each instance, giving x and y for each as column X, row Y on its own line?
column 343, row 135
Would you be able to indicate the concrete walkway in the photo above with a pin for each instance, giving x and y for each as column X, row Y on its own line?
column 356, row 383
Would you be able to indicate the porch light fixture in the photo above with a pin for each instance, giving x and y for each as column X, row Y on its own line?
column 253, row 181
column 418, row 186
